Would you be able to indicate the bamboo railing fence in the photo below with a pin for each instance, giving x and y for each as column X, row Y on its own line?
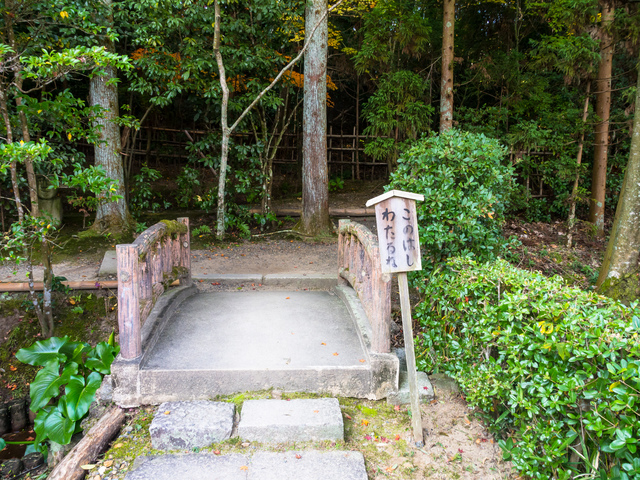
column 160, row 255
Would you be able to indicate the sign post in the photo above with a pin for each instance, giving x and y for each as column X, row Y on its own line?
column 399, row 245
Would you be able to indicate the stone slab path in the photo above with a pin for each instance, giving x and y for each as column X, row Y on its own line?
column 303, row 465
column 186, row 426
column 277, row 421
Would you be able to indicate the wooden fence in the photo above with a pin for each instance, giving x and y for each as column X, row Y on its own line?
column 345, row 150
column 160, row 255
column 359, row 264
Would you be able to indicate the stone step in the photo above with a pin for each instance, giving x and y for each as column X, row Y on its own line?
column 300, row 465
column 299, row 420
column 189, row 425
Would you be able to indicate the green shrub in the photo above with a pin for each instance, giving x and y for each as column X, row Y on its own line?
column 556, row 366
column 465, row 185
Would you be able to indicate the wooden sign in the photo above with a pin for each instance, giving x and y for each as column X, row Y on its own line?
column 399, row 245
column 398, row 231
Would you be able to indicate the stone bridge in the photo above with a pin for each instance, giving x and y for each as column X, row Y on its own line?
column 304, row 334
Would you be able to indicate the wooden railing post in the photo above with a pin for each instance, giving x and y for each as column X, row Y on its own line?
column 128, row 301
column 359, row 264
column 185, row 260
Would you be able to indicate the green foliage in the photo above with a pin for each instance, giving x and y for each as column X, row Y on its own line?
column 73, row 365
column 336, row 184
column 397, row 113
column 201, row 230
column 188, row 182
column 93, row 182
column 142, row 196
column 465, row 185
column 555, row 365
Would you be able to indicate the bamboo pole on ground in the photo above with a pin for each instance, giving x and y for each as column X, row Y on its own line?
column 91, row 445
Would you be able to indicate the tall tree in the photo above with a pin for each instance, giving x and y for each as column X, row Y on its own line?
column 110, row 216
column 315, row 179
column 603, row 108
column 620, row 268
column 446, row 88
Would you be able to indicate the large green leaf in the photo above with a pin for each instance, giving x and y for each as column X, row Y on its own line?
column 58, row 427
column 38, row 424
column 43, row 351
column 101, row 358
column 47, row 383
column 74, row 350
column 81, row 394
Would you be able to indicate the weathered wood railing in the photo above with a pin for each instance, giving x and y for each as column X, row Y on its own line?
column 159, row 256
column 359, row 264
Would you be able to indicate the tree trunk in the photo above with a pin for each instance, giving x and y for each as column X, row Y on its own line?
column 315, row 181
column 603, row 106
column 112, row 216
column 446, row 89
column 576, row 182
column 620, row 269
column 226, row 131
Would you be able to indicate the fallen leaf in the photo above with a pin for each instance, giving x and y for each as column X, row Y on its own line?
column 216, row 452
column 397, row 438
column 466, row 420
column 362, row 360
column 364, row 423
column 316, row 411
column 397, row 408
column 323, row 343
column 244, row 467
column 392, row 468
column 88, row 466
column 335, row 354
column 12, row 368
column 287, row 298
column 108, row 463
column 117, row 445
column 347, row 416
column 298, row 456
column 167, row 412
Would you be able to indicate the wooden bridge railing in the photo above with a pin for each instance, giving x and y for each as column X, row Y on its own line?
column 146, row 267
column 359, row 264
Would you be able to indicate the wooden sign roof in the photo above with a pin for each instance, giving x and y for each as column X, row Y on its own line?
column 395, row 193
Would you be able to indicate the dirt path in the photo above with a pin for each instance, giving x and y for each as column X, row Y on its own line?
column 257, row 256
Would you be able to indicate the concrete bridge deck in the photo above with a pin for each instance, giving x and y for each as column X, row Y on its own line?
column 200, row 345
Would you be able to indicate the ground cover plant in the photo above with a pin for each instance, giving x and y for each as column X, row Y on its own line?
column 552, row 367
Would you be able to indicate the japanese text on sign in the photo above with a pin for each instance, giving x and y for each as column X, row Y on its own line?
column 398, row 235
